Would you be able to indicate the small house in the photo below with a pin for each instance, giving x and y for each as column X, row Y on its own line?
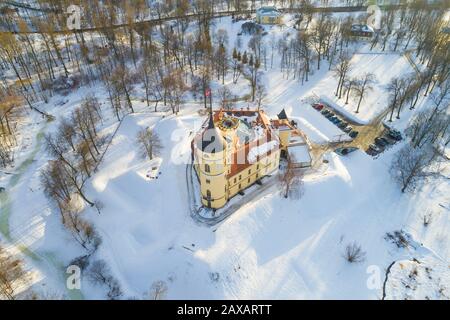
column 268, row 15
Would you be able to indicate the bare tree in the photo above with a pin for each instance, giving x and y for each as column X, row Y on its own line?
column 149, row 143
column 291, row 180
column 354, row 253
column 410, row 167
column 82, row 231
column 11, row 273
column 396, row 88
column 175, row 88
column 429, row 127
column 261, row 94
column 226, row 98
column 349, row 85
column 341, row 69
column 158, row 291
column 6, row 154
column 100, row 274
column 363, row 86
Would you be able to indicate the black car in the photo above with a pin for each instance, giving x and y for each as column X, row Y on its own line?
column 343, row 125
column 345, row 151
column 381, row 142
column 389, row 139
column 353, row 134
column 325, row 112
column 348, row 129
column 397, row 136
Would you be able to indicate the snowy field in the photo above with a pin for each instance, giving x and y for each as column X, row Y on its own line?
column 272, row 248
column 384, row 66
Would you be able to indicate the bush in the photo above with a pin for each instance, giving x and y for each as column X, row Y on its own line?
column 400, row 238
column 82, row 262
column 354, row 253
column 100, row 274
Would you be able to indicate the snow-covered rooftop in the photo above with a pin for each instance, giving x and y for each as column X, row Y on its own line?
column 268, row 11
column 300, row 153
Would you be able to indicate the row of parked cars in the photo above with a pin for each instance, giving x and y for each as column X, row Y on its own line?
column 389, row 138
column 340, row 123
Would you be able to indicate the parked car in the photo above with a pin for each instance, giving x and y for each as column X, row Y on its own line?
column 318, row 106
column 343, row 125
column 325, row 112
column 333, row 118
column 375, row 148
column 353, row 134
column 370, row 152
column 345, row 151
column 382, row 142
column 348, row 129
column 390, row 140
column 397, row 136
column 337, row 122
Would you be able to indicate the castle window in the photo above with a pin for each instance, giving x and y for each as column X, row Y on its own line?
column 208, row 181
column 240, row 186
column 208, row 194
column 207, row 168
column 257, row 167
column 240, row 177
column 248, row 180
column 235, row 179
column 250, row 171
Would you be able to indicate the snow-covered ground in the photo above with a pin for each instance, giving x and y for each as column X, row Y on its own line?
column 384, row 66
column 272, row 248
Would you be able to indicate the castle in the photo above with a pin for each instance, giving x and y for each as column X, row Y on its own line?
column 236, row 148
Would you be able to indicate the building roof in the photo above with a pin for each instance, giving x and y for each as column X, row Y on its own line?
column 282, row 115
column 241, row 133
column 211, row 139
column 300, row 154
column 268, row 11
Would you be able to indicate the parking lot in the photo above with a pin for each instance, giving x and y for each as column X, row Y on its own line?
column 374, row 138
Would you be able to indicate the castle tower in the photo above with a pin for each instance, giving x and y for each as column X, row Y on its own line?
column 284, row 132
column 212, row 167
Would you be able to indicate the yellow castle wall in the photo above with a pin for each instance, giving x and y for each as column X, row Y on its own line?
column 211, row 170
column 249, row 176
column 220, row 187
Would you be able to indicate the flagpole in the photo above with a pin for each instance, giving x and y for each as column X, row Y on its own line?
column 210, row 101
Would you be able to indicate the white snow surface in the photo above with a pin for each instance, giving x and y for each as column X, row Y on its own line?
column 273, row 248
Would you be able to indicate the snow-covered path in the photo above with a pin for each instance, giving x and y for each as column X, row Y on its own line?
column 23, row 236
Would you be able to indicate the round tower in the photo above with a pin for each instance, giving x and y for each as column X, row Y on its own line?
column 212, row 168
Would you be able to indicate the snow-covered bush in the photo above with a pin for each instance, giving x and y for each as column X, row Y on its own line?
column 100, row 274
column 399, row 237
column 158, row 291
column 354, row 253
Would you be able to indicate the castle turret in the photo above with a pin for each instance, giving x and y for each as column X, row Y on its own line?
column 211, row 166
